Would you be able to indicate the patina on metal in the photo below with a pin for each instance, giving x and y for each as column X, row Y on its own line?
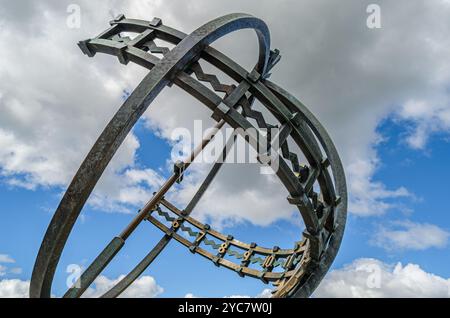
column 293, row 272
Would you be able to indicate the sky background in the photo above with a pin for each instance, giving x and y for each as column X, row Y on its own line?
column 382, row 94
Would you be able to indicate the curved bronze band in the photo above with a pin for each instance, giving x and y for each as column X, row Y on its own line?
column 171, row 69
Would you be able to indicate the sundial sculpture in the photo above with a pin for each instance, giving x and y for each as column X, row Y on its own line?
column 317, row 189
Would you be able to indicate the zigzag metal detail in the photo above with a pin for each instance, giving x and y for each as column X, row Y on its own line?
column 246, row 107
column 235, row 254
column 258, row 116
column 211, row 79
column 254, row 260
column 211, row 243
column 250, row 113
column 165, row 215
column 149, row 46
column 188, row 230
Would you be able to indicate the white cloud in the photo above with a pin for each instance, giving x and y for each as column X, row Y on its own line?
column 372, row 278
column 407, row 235
column 14, row 288
column 265, row 293
column 123, row 191
column 255, row 198
column 427, row 118
column 16, row 270
column 6, row 259
column 237, row 296
column 350, row 114
column 143, row 287
column 51, row 115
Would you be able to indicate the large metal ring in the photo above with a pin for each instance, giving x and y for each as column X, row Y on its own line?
column 323, row 233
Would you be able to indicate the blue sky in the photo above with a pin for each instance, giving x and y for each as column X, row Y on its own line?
column 382, row 95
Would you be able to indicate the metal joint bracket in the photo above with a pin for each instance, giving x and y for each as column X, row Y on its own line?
column 215, row 260
column 262, row 277
column 220, row 111
column 295, row 119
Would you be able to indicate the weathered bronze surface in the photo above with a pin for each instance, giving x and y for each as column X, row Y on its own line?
column 293, row 272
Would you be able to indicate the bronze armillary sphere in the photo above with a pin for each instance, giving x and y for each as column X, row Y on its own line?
column 294, row 272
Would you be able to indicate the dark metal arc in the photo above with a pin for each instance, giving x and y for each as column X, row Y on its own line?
column 115, row 132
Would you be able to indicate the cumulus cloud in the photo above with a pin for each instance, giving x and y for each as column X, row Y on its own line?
column 120, row 192
column 407, row 235
column 6, row 259
column 143, row 287
column 368, row 277
column 3, row 270
column 16, row 270
column 50, row 119
column 56, row 103
column 14, row 288
column 369, row 197
column 265, row 293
